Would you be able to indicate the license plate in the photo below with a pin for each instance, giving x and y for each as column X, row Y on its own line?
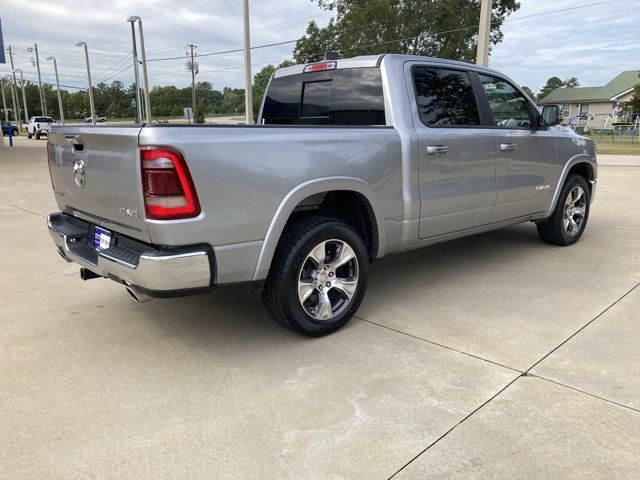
column 101, row 238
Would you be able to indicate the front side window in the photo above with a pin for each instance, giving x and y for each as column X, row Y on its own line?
column 445, row 97
column 350, row 96
column 510, row 109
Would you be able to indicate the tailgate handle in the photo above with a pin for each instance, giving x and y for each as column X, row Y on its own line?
column 76, row 142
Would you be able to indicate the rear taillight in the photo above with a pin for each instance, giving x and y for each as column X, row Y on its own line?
column 167, row 186
column 37, row 125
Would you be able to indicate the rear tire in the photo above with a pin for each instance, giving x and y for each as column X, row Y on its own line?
column 569, row 219
column 28, row 134
column 37, row 136
column 318, row 276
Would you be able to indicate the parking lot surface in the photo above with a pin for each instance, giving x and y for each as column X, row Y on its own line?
column 494, row 356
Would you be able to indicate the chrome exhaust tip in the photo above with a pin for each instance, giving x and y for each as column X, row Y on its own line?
column 137, row 295
column 64, row 257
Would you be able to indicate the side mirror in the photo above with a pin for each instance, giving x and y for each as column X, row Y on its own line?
column 552, row 115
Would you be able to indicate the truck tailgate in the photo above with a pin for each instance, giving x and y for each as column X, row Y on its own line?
column 96, row 176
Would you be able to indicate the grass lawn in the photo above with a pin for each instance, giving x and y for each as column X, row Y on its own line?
column 622, row 146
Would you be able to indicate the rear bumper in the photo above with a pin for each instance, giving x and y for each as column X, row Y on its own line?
column 159, row 272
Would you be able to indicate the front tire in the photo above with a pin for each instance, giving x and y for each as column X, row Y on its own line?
column 318, row 276
column 569, row 219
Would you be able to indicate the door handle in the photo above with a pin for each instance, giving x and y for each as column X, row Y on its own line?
column 508, row 147
column 437, row 149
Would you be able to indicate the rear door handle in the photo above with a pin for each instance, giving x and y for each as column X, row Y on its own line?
column 437, row 149
column 508, row 147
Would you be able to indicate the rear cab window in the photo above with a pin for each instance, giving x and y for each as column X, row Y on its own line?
column 445, row 97
column 350, row 96
column 43, row 119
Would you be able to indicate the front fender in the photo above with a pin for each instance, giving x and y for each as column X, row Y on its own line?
column 302, row 191
column 573, row 161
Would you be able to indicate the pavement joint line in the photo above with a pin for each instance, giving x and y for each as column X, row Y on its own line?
column 582, row 328
column 440, row 345
column 522, row 374
column 37, row 286
column 583, row 392
column 617, row 228
column 23, row 209
column 456, row 425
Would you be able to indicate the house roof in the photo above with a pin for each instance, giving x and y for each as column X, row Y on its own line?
column 620, row 84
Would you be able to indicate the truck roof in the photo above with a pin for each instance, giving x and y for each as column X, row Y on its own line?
column 376, row 60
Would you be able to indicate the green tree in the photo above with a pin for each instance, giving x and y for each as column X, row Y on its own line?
column 571, row 82
column 554, row 83
column 409, row 26
column 529, row 92
column 200, row 112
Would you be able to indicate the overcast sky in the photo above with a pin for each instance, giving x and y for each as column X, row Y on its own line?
column 593, row 44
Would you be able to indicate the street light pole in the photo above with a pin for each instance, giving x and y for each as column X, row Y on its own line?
column 484, row 30
column 147, row 98
column 4, row 100
column 55, row 68
column 248, row 97
column 24, row 98
column 14, row 92
column 135, row 69
column 43, row 101
column 86, row 56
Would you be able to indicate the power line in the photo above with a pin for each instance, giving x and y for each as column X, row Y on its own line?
column 395, row 40
column 115, row 65
column 104, row 80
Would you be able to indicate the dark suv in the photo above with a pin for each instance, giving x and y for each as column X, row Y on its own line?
column 5, row 129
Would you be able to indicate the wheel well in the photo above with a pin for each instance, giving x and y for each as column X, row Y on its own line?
column 584, row 170
column 351, row 207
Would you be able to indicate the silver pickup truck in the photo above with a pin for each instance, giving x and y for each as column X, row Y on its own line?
column 352, row 159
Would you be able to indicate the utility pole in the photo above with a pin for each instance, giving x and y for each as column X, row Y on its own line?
column 55, row 67
column 86, row 56
column 194, row 69
column 4, row 100
column 14, row 93
column 248, row 97
column 484, row 31
column 136, row 77
column 24, row 98
column 43, row 101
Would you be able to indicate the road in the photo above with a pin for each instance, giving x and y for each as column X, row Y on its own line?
column 495, row 356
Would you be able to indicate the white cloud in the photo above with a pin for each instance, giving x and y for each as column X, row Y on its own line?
column 594, row 44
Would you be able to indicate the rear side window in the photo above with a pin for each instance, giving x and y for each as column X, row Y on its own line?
column 508, row 106
column 445, row 97
column 350, row 96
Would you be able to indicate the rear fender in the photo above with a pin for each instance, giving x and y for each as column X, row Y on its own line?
column 302, row 191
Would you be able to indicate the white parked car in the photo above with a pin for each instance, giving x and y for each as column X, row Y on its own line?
column 39, row 126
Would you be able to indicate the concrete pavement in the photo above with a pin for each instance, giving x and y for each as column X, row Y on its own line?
column 495, row 356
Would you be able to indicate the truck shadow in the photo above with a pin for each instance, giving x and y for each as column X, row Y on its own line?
column 229, row 316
